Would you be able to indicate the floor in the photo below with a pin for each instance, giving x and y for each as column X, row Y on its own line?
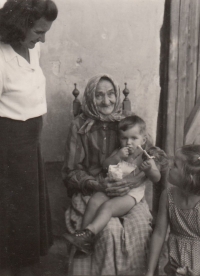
column 56, row 262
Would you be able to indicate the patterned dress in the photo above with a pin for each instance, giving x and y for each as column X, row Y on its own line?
column 184, row 239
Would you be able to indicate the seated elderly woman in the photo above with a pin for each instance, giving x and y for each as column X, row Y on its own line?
column 121, row 247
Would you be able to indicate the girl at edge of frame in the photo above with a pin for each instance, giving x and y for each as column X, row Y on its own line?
column 180, row 209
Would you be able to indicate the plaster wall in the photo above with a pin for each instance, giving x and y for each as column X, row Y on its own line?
column 118, row 37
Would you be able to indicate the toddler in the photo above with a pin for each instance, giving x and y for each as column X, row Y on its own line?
column 180, row 208
column 100, row 208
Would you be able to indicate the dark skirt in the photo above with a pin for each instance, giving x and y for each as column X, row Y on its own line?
column 25, row 224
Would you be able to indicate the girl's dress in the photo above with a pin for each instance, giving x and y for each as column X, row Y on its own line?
column 184, row 239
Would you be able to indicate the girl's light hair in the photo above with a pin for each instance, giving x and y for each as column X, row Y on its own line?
column 190, row 157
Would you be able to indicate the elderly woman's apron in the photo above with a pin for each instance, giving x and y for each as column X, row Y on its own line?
column 121, row 248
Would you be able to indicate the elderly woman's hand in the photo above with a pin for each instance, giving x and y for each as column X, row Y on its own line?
column 185, row 271
column 120, row 187
column 91, row 186
column 117, row 187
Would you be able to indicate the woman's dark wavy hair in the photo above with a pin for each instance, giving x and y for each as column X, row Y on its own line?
column 190, row 158
column 18, row 16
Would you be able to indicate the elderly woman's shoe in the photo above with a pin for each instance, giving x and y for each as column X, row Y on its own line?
column 83, row 240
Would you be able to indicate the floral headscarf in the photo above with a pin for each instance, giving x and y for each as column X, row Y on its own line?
column 90, row 109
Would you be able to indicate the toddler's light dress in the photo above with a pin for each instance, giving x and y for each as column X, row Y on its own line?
column 184, row 238
column 123, row 168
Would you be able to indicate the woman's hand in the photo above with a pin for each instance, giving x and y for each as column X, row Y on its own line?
column 116, row 187
column 121, row 187
column 181, row 271
column 91, row 186
column 185, row 271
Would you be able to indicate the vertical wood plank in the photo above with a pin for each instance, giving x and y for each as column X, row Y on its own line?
column 193, row 136
column 191, row 118
column 193, row 36
column 182, row 72
column 198, row 70
column 173, row 77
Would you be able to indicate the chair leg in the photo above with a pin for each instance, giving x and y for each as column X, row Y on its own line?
column 71, row 258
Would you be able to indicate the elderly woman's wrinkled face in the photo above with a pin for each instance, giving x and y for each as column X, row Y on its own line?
column 37, row 33
column 105, row 97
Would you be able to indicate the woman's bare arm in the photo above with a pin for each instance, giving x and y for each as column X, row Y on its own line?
column 159, row 234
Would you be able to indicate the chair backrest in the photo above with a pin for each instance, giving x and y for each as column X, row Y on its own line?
column 126, row 104
column 76, row 102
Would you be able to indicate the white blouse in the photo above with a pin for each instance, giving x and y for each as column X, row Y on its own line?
column 22, row 84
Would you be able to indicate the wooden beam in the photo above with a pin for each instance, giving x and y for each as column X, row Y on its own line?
column 191, row 118
column 198, row 70
column 173, row 77
column 192, row 64
column 182, row 72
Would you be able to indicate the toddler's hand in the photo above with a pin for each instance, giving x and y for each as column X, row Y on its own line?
column 123, row 152
column 146, row 165
column 181, row 271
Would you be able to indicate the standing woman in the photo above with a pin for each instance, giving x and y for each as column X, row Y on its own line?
column 25, row 227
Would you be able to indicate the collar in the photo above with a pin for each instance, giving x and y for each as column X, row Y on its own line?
column 10, row 54
column 90, row 125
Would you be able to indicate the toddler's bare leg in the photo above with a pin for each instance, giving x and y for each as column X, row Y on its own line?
column 115, row 207
column 93, row 204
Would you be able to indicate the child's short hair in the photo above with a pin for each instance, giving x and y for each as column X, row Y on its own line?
column 190, row 157
column 130, row 122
